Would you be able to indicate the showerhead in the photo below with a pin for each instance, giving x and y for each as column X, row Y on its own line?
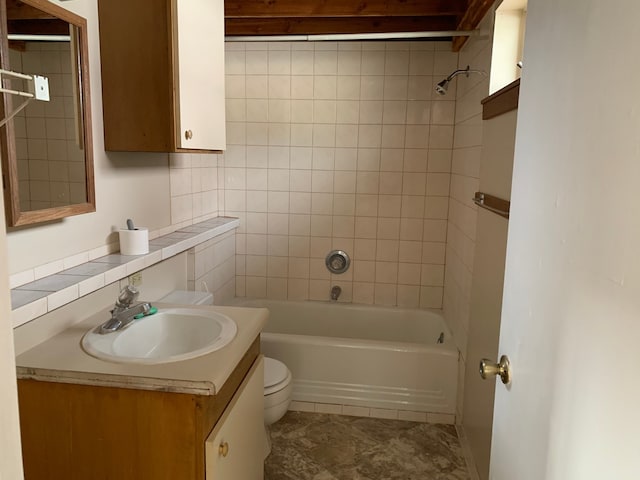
column 443, row 86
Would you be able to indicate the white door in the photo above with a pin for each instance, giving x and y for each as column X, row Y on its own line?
column 571, row 308
column 200, row 52
column 10, row 452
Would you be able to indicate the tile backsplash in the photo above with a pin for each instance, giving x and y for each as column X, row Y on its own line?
column 339, row 145
column 211, row 266
column 194, row 182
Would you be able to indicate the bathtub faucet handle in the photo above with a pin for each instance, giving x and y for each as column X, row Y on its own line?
column 335, row 293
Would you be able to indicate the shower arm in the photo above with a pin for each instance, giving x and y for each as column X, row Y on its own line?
column 466, row 71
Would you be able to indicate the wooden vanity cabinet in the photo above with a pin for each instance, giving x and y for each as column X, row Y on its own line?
column 162, row 75
column 80, row 432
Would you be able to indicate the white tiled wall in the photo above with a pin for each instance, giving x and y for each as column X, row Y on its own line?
column 211, row 266
column 465, row 170
column 357, row 411
column 194, row 187
column 339, row 145
column 51, row 169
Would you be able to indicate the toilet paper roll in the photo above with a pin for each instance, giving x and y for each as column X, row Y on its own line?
column 134, row 242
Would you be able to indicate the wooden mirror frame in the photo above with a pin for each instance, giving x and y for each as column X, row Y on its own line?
column 14, row 215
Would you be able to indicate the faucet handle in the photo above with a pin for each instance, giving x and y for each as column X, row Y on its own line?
column 127, row 296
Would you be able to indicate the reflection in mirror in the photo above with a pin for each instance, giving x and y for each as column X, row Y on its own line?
column 48, row 144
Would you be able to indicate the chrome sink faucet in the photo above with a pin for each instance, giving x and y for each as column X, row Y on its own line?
column 124, row 311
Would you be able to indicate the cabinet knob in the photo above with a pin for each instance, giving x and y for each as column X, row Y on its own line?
column 223, row 449
column 188, row 134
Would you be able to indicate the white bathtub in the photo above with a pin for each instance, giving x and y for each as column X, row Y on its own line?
column 360, row 355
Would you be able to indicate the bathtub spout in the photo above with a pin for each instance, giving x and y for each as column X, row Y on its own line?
column 335, row 293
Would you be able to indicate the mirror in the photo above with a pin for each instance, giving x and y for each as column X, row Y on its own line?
column 46, row 149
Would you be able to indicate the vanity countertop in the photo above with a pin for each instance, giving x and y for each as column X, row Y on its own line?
column 61, row 359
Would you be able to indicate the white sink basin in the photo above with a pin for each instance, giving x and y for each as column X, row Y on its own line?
column 171, row 335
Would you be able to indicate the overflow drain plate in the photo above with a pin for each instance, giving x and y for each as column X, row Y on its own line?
column 337, row 261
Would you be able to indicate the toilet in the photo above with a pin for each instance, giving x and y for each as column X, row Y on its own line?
column 277, row 390
column 277, row 396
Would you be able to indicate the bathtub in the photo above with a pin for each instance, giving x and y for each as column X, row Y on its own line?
column 363, row 356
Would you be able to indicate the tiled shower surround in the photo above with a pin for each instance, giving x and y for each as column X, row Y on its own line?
column 339, row 146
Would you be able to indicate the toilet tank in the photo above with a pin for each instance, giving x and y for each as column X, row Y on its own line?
column 184, row 297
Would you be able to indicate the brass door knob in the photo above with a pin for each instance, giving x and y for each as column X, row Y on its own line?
column 490, row 369
column 223, row 449
column 188, row 134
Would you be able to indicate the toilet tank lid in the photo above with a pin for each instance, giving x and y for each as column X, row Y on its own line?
column 274, row 372
column 185, row 297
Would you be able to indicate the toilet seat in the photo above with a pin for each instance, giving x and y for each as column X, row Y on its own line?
column 276, row 376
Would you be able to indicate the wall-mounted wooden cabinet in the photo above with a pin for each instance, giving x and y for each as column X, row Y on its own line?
column 162, row 75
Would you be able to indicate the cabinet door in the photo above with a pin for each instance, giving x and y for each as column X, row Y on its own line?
column 235, row 448
column 200, row 122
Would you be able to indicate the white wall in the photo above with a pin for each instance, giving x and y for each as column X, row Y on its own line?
column 340, row 145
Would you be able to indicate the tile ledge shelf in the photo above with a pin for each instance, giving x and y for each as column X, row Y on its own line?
column 36, row 298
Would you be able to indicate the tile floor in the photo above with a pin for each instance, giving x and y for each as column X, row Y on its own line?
column 315, row 446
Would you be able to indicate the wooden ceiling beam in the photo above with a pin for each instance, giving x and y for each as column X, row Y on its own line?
column 471, row 19
column 316, row 26
column 343, row 8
